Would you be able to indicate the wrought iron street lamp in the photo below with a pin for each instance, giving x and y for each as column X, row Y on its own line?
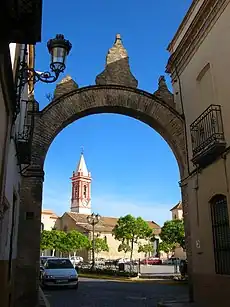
column 58, row 48
column 93, row 219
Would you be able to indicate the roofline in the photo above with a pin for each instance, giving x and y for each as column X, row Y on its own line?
column 182, row 24
column 175, row 207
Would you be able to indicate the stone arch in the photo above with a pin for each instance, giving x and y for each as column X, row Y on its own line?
column 115, row 92
column 63, row 110
column 135, row 103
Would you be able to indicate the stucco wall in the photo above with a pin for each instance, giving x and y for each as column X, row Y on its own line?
column 218, row 58
column 205, row 81
column 48, row 221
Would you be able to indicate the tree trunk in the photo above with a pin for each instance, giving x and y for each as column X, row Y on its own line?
column 131, row 253
column 53, row 252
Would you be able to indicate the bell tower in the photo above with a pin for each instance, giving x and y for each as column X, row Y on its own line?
column 81, row 188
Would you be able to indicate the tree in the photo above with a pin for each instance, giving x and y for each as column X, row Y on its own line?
column 123, row 247
column 146, row 249
column 165, row 247
column 130, row 229
column 60, row 241
column 172, row 233
column 76, row 241
column 100, row 245
column 46, row 240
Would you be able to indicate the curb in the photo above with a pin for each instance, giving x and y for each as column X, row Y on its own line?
column 158, row 276
column 43, row 302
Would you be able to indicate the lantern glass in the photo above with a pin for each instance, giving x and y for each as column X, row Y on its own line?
column 58, row 48
column 58, row 58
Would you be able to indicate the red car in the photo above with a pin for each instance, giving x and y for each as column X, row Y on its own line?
column 152, row 261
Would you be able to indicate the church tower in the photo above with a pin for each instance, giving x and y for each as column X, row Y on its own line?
column 81, row 188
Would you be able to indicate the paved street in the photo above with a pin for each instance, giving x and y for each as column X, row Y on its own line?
column 104, row 293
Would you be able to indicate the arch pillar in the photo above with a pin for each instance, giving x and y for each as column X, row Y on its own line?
column 28, row 244
column 188, row 239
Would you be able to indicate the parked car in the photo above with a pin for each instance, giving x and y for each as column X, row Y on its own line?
column 43, row 259
column 59, row 272
column 152, row 261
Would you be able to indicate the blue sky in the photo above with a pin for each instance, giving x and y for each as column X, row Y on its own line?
column 133, row 168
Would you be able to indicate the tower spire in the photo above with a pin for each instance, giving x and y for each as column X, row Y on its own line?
column 82, row 168
column 81, row 188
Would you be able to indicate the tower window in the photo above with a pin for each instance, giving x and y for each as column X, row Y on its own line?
column 85, row 189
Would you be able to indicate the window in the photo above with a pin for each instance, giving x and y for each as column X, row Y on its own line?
column 85, row 189
column 65, row 228
column 221, row 234
column 58, row 264
column 105, row 239
column 205, row 86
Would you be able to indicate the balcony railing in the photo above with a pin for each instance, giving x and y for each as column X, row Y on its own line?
column 207, row 135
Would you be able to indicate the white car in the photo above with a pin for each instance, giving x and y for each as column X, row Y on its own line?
column 59, row 272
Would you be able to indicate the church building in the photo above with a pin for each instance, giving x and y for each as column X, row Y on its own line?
column 81, row 208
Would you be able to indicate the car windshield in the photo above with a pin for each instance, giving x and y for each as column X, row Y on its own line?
column 59, row 264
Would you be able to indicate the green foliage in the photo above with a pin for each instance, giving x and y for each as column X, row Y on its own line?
column 123, row 247
column 105, row 272
column 100, row 245
column 62, row 241
column 172, row 232
column 76, row 241
column 145, row 248
column 130, row 229
column 165, row 247
column 46, row 241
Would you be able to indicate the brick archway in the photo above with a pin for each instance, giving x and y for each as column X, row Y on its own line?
column 135, row 103
column 63, row 110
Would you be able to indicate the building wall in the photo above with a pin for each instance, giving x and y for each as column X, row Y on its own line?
column 177, row 214
column 9, row 168
column 48, row 221
column 205, row 81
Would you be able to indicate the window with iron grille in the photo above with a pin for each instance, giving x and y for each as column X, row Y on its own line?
column 221, row 234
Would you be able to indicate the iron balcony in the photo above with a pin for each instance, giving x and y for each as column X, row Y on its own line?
column 207, row 135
